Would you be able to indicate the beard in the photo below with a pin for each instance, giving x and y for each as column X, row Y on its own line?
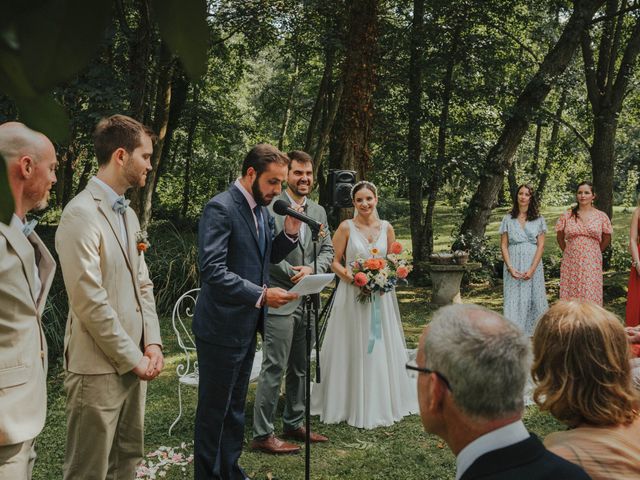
column 134, row 179
column 40, row 202
column 258, row 196
column 295, row 189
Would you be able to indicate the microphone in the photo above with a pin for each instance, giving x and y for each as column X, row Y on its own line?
column 281, row 207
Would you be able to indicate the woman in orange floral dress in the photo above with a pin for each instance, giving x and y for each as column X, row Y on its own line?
column 583, row 233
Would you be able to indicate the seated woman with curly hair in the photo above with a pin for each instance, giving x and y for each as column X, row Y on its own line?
column 581, row 367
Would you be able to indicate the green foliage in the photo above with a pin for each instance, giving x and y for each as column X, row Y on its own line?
column 393, row 209
column 43, row 44
column 183, row 25
column 620, row 258
column 173, row 264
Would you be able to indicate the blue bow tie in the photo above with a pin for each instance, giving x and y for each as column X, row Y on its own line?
column 29, row 227
column 120, row 205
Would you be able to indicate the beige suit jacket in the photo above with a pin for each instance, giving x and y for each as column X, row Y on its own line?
column 23, row 348
column 112, row 313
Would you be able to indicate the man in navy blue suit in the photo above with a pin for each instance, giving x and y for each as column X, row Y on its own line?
column 473, row 366
column 236, row 245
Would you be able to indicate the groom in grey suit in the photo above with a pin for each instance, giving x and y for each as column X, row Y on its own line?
column 284, row 344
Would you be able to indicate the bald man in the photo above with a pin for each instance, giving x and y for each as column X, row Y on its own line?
column 26, row 272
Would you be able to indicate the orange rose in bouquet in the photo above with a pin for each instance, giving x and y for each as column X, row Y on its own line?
column 396, row 248
column 376, row 275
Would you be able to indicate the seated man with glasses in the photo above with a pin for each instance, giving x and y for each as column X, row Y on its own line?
column 473, row 365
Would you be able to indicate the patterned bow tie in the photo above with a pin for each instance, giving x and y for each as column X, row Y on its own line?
column 120, row 205
column 29, row 227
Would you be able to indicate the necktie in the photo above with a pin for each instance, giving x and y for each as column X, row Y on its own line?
column 120, row 205
column 28, row 227
column 261, row 236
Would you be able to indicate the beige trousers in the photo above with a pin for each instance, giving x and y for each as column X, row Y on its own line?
column 16, row 461
column 105, row 426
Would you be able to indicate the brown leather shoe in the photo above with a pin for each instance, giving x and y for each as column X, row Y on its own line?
column 273, row 445
column 299, row 434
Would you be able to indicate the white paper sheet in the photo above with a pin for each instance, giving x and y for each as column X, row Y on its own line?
column 312, row 284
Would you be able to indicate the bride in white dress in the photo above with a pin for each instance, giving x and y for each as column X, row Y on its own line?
column 366, row 390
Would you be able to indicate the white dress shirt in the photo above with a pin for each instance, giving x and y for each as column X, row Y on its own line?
column 112, row 196
column 18, row 224
column 502, row 437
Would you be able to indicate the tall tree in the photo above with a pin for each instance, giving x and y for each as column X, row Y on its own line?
column 501, row 155
column 414, row 138
column 358, row 77
column 606, row 89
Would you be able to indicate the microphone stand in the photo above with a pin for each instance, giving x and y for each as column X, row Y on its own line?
column 310, row 310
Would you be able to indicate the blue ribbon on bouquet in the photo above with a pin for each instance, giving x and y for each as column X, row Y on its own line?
column 375, row 332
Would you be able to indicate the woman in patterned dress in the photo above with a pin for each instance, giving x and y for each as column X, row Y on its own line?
column 522, row 244
column 583, row 233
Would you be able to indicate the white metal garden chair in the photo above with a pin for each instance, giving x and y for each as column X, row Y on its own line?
column 187, row 369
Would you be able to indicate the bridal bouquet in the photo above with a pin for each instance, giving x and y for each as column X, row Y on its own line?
column 376, row 274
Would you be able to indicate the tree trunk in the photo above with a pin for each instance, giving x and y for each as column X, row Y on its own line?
column 500, row 156
column 287, row 110
column 603, row 158
column 606, row 90
column 552, row 148
column 84, row 176
column 329, row 119
column 414, row 137
column 179, row 90
column 161, row 120
column 323, row 89
column 513, row 182
column 186, row 192
column 358, row 73
column 64, row 187
column 139, row 56
column 436, row 175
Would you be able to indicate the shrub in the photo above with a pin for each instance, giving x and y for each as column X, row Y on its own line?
column 173, row 265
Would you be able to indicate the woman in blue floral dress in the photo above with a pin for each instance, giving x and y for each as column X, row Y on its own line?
column 522, row 244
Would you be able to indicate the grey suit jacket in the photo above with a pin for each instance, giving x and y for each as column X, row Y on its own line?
column 282, row 272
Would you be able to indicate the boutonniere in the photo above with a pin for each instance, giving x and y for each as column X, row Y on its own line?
column 142, row 241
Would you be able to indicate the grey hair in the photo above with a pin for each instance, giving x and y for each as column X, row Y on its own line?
column 485, row 357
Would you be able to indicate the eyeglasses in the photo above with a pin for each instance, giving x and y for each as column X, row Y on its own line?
column 412, row 365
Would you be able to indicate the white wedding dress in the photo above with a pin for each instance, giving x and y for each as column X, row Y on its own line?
column 366, row 390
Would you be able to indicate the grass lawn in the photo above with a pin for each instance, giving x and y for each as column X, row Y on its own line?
column 401, row 451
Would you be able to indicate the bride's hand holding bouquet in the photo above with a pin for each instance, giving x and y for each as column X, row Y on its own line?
column 379, row 275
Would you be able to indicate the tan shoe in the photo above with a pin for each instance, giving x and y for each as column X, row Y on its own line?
column 299, row 434
column 273, row 445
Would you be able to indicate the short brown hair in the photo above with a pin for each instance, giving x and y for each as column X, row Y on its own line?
column 581, row 366
column 118, row 131
column 262, row 155
column 300, row 157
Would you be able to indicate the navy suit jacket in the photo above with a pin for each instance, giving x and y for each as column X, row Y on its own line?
column 232, row 269
column 526, row 460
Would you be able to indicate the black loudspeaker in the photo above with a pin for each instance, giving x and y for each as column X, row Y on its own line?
column 339, row 183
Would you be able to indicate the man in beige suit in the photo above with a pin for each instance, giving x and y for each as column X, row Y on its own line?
column 112, row 340
column 26, row 272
